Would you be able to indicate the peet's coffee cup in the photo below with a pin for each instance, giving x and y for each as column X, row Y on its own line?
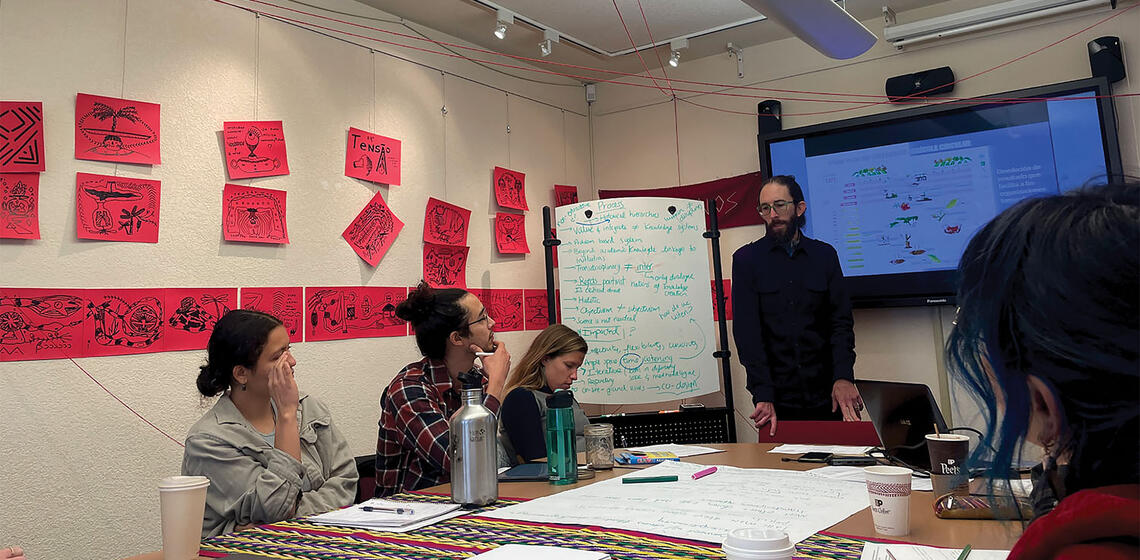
column 889, row 491
column 182, row 501
column 948, row 472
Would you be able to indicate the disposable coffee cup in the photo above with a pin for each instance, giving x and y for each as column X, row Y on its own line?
column 182, row 501
column 757, row 544
column 889, row 491
column 948, row 472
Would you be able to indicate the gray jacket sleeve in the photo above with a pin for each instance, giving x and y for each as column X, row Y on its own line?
column 334, row 486
column 247, row 485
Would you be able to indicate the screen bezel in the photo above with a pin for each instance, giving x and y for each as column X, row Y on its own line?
column 939, row 287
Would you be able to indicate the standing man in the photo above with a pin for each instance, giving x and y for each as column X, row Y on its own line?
column 792, row 317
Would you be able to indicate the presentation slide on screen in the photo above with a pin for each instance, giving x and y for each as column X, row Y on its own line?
column 913, row 206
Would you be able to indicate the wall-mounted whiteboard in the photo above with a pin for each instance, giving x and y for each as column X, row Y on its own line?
column 634, row 280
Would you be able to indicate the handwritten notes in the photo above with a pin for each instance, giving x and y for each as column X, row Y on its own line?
column 372, row 157
column 705, row 509
column 255, row 149
column 634, row 278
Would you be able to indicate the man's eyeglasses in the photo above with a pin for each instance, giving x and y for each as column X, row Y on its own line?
column 778, row 206
column 482, row 317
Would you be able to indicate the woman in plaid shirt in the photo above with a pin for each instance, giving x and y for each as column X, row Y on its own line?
column 451, row 325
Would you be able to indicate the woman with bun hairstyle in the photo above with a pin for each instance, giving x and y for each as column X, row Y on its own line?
column 451, row 326
column 271, row 452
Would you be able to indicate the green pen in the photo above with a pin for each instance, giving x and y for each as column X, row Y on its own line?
column 636, row 479
column 965, row 552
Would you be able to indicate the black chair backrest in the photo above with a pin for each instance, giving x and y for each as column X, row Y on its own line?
column 686, row 426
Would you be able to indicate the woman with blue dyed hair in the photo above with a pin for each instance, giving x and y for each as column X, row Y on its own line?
column 1047, row 339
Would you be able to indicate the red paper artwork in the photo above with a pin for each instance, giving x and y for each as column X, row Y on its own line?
column 446, row 224
column 116, row 208
column 565, row 194
column 445, row 266
column 338, row 313
column 510, row 233
column 505, row 307
column 41, row 324
column 286, row 304
column 117, row 130
column 126, row 322
column 534, row 305
column 21, row 137
column 373, row 231
column 254, row 215
column 19, row 205
column 191, row 314
column 727, row 288
column 510, row 188
column 372, row 157
column 255, row 149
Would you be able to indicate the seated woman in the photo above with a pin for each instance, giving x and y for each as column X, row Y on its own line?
column 270, row 451
column 1047, row 339
column 550, row 364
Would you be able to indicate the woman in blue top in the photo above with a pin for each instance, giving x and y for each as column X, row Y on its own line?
column 550, row 364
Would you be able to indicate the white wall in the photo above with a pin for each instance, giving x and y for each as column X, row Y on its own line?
column 636, row 141
column 65, row 441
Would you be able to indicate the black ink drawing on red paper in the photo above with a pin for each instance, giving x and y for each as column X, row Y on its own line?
column 116, row 208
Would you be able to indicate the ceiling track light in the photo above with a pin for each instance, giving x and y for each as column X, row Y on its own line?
column 675, row 47
column 549, row 37
column 504, row 18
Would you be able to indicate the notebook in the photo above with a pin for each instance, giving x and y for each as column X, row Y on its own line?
column 903, row 413
column 387, row 515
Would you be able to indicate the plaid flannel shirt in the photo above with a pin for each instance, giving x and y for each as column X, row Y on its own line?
column 411, row 451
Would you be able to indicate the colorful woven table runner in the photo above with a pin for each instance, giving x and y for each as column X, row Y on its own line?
column 464, row 537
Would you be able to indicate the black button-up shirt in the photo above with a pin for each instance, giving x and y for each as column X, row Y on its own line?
column 792, row 322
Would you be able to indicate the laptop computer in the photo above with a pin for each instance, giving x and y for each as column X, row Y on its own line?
column 903, row 413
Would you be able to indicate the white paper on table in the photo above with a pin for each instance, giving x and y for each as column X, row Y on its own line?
column 797, row 449
column 530, row 552
column 705, row 509
column 678, row 450
column 877, row 551
column 856, row 474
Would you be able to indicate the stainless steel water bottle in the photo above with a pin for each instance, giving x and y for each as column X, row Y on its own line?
column 561, row 454
column 473, row 447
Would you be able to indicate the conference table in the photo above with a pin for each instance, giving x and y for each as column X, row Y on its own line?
column 925, row 527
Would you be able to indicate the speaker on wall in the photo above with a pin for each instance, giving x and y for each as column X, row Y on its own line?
column 768, row 117
column 920, row 84
column 1105, row 58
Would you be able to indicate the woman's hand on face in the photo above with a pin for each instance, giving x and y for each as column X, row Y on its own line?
column 283, row 387
column 12, row 553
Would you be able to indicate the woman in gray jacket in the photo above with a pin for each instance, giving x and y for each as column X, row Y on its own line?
column 270, row 451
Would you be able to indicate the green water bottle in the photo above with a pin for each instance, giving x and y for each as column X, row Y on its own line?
column 561, row 454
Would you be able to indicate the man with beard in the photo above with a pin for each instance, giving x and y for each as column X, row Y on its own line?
column 792, row 317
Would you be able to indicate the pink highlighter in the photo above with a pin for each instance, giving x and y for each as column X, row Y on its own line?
column 704, row 473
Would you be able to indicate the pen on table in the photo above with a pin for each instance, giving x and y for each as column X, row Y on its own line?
column 397, row 510
column 889, row 554
column 965, row 552
column 704, row 472
column 637, row 479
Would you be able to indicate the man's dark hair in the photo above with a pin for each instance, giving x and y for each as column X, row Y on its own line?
column 796, row 192
column 434, row 314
